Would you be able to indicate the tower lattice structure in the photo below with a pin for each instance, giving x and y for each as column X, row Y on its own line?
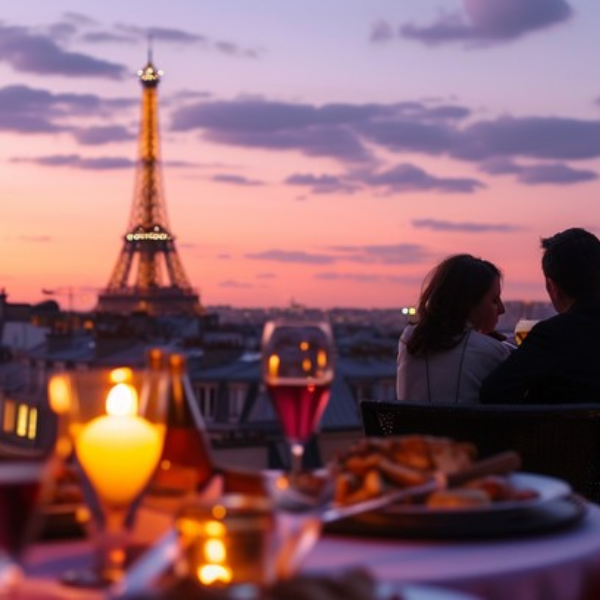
column 149, row 276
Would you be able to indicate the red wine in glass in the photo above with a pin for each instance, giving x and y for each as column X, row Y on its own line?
column 299, row 408
column 297, row 369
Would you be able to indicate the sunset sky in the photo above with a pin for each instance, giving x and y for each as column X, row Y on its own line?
column 328, row 152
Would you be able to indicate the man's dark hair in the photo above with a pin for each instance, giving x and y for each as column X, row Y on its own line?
column 572, row 260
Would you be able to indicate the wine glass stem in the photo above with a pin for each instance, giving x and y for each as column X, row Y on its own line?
column 112, row 545
column 297, row 454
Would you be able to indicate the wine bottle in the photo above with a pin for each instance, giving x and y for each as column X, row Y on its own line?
column 186, row 464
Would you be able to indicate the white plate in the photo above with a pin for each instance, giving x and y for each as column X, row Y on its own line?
column 554, row 507
column 547, row 488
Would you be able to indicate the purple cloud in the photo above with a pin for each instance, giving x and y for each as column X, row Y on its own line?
column 73, row 160
column 486, row 21
column 29, row 110
column 33, row 53
column 388, row 254
column 322, row 184
column 507, row 19
column 94, row 136
column 368, row 278
column 553, row 173
column 107, row 37
column 236, row 180
column 287, row 256
column 315, row 131
column 463, row 227
column 346, row 132
column 409, row 178
column 536, row 137
column 333, row 130
column 402, row 135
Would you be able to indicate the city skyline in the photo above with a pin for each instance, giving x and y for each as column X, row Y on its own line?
column 321, row 153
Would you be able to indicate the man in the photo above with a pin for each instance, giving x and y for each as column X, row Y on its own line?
column 559, row 361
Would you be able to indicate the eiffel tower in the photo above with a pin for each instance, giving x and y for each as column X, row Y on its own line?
column 137, row 282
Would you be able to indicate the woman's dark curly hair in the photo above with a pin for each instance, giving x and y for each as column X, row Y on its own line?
column 449, row 292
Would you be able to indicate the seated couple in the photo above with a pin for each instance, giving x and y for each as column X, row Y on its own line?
column 453, row 356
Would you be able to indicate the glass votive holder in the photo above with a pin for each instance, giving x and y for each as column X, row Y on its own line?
column 228, row 542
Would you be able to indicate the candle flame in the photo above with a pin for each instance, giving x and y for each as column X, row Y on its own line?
column 209, row 574
column 122, row 401
column 121, row 375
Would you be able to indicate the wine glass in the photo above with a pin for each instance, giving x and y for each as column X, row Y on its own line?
column 23, row 483
column 297, row 369
column 116, row 423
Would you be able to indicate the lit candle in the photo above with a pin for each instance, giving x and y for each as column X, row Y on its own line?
column 230, row 542
column 120, row 450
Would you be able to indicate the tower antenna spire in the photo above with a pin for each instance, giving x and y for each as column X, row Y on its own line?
column 149, row 47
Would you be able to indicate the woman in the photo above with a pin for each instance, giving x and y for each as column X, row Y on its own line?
column 445, row 356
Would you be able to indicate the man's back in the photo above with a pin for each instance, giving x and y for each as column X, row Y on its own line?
column 559, row 362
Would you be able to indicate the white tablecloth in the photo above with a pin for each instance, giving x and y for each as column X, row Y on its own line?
column 556, row 566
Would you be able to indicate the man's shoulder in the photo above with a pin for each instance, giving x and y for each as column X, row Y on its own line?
column 569, row 320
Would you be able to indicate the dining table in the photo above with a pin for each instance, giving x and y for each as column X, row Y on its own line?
column 558, row 564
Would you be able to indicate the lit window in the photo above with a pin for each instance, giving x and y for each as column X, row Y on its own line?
column 8, row 418
column 22, row 414
column 32, row 430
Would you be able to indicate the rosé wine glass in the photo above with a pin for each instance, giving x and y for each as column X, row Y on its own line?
column 297, row 369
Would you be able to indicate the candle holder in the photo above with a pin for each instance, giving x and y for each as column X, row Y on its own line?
column 115, row 419
column 229, row 542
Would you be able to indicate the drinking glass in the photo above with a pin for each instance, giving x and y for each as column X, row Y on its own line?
column 522, row 328
column 23, row 483
column 297, row 369
column 116, row 423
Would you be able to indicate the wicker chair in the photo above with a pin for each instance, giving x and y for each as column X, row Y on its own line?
column 560, row 441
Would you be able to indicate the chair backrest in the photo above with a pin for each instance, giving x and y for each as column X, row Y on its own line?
column 560, row 441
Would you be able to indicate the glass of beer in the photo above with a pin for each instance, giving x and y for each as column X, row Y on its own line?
column 522, row 328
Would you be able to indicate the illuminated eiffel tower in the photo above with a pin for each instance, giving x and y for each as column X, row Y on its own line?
column 138, row 282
